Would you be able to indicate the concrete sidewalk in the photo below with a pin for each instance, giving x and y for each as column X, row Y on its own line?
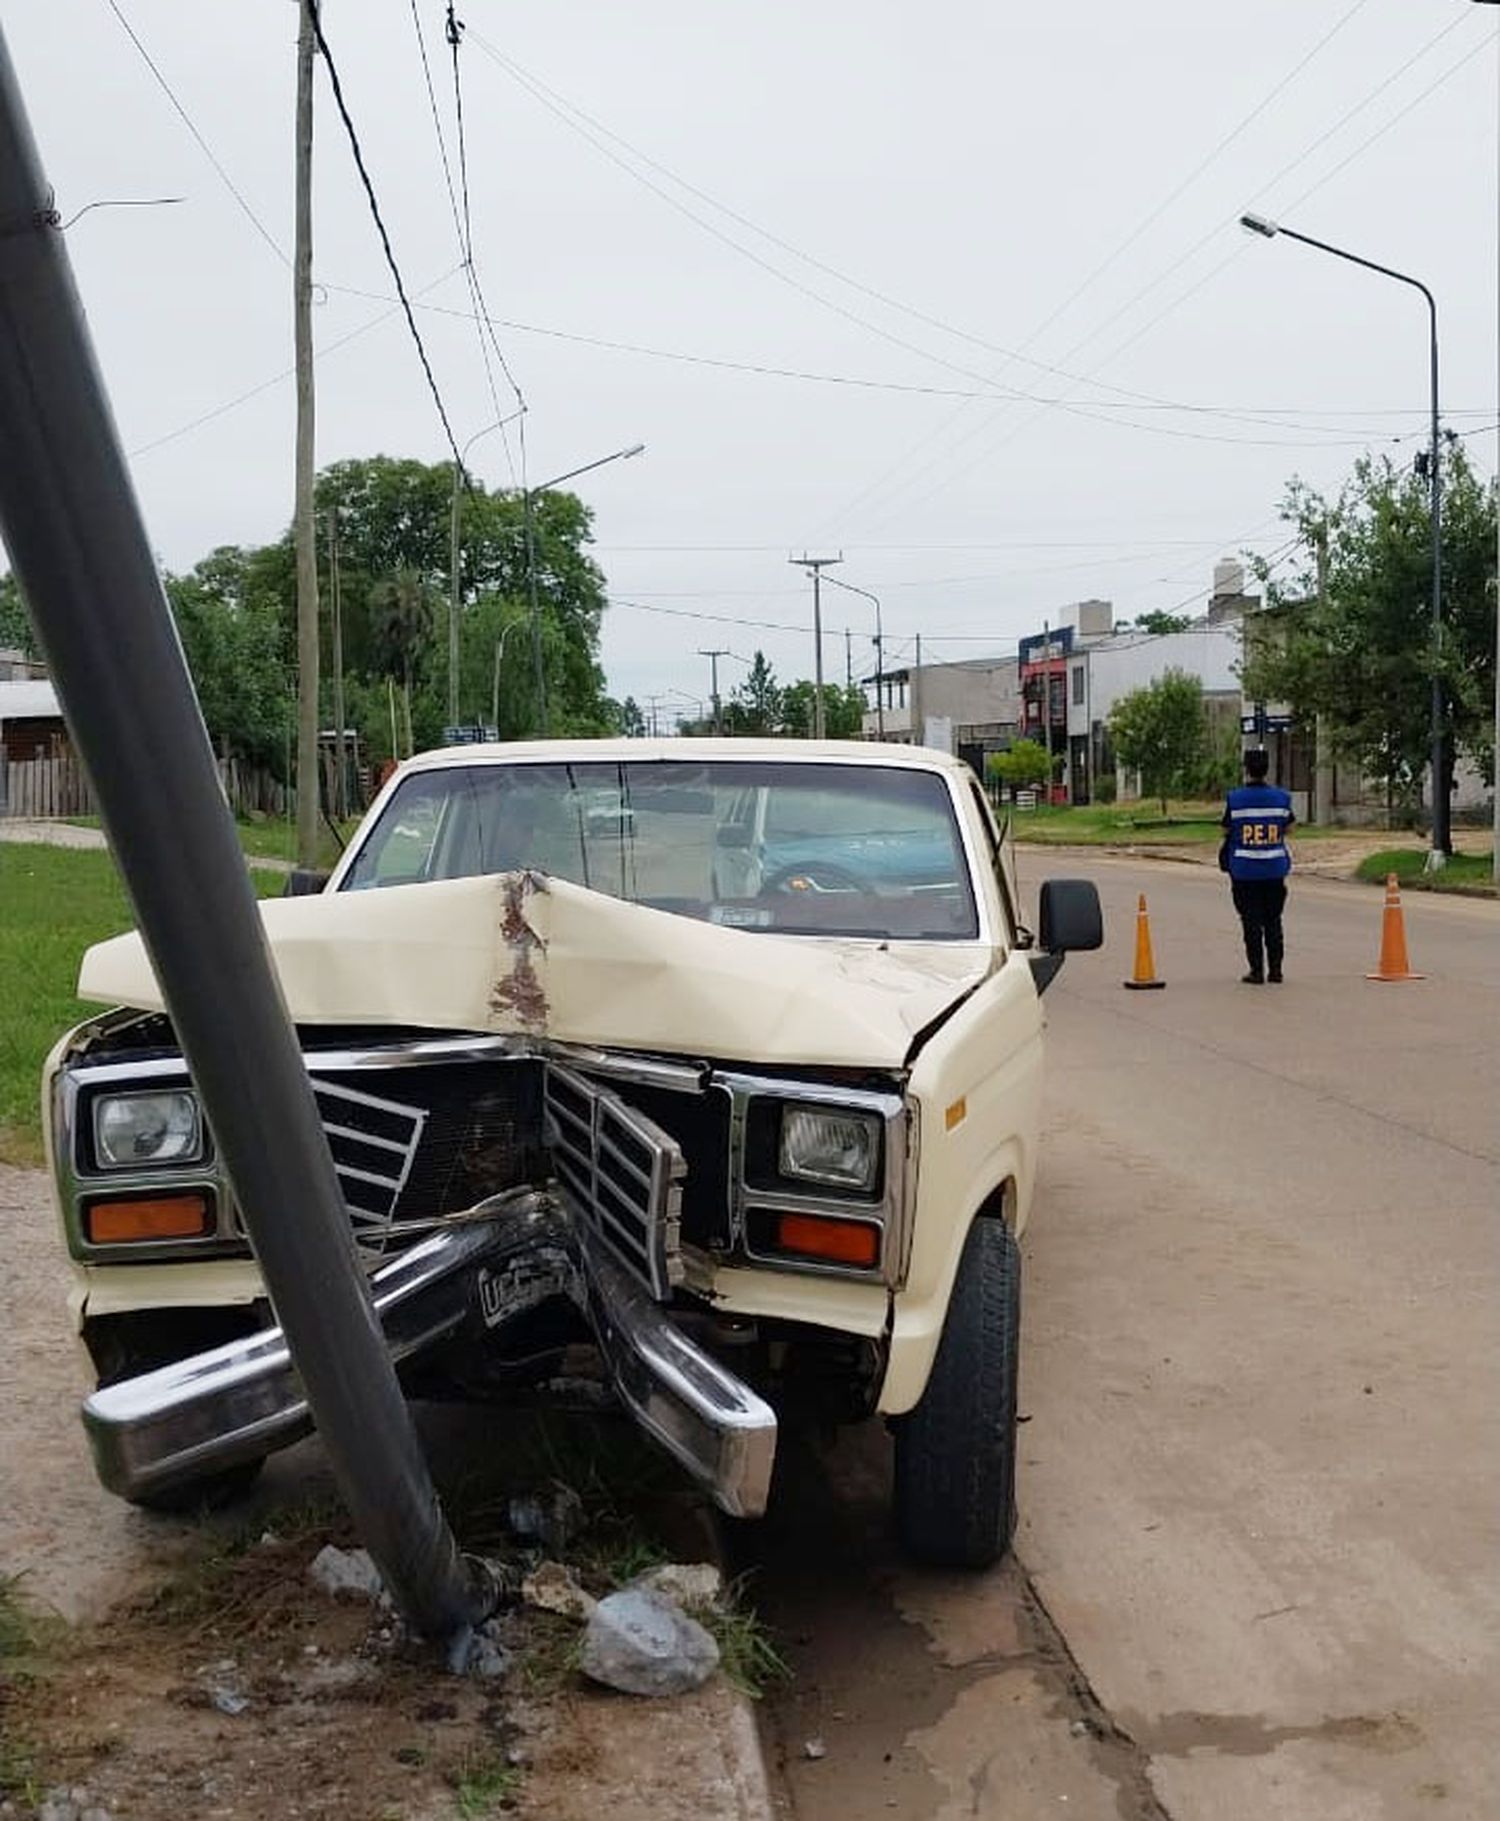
column 72, row 834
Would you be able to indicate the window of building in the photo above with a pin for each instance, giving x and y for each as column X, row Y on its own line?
column 1078, row 686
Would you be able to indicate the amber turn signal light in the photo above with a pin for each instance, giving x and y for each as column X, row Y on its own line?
column 841, row 1242
column 110, row 1223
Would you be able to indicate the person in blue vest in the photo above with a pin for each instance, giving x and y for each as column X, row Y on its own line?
column 1256, row 819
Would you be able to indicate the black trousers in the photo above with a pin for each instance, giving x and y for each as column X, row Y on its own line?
column 1260, row 903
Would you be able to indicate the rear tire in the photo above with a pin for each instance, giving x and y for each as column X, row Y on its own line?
column 955, row 1475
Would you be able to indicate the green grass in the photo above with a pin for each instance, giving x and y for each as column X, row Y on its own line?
column 1463, row 873
column 22, row 1646
column 482, row 1783
column 271, row 837
column 747, row 1654
column 1135, row 824
column 54, row 902
column 1116, row 824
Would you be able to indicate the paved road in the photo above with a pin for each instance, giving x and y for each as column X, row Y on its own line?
column 1257, row 1575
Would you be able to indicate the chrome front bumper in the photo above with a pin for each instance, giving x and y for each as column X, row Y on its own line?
column 237, row 1402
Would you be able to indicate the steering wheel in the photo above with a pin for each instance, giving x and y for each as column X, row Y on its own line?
column 819, row 877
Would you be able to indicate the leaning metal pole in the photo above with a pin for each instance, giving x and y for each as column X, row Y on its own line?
column 78, row 544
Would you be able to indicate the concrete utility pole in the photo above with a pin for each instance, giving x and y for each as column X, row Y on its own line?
column 713, row 663
column 816, row 564
column 1047, row 698
column 305, row 531
column 849, row 588
column 917, row 730
column 75, row 534
column 1322, row 753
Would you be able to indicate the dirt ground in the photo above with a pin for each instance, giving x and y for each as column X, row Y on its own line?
column 190, row 1666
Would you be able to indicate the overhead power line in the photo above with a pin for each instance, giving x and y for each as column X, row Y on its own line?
column 904, row 475
column 203, row 146
column 1100, row 411
column 1176, row 303
column 385, row 239
column 278, row 379
column 461, row 220
column 1152, row 216
column 454, row 31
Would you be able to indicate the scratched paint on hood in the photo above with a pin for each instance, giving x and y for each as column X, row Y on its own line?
column 517, row 953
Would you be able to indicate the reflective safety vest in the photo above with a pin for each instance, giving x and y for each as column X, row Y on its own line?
column 1257, row 817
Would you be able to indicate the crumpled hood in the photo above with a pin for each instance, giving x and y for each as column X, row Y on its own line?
column 519, row 953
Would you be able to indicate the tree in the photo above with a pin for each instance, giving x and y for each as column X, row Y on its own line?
column 755, row 707
column 401, row 612
column 843, row 710
column 234, row 636
column 1158, row 622
column 1022, row 766
column 1161, row 732
column 15, row 622
column 1362, row 654
column 632, row 722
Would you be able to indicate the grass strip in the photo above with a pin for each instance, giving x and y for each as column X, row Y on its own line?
column 1465, row 874
column 54, row 903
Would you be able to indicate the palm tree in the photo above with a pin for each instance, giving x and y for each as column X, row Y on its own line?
column 401, row 621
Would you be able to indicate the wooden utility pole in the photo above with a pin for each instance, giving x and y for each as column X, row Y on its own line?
column 305, row 530
column 341, row 777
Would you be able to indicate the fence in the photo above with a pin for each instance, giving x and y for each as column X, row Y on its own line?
column 48, row 789
column 55, row 787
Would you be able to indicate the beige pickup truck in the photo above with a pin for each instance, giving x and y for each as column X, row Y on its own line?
column 721, row 1056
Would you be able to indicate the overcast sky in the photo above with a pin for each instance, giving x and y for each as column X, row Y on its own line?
column 911, row 213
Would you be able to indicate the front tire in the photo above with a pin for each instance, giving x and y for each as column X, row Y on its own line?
column 955, row 1474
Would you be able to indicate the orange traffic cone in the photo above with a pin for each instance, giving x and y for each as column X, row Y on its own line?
column 1144, row 977
column 1393, row 962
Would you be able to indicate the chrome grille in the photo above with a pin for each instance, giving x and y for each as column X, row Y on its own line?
column 374, row 1144
column 621, row 1173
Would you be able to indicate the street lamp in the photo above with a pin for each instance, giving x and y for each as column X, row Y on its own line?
column 453, row 561
column 1258, row 224
column 879, row 650
column 505, row 632
column 1495, row 859
column 528, row 496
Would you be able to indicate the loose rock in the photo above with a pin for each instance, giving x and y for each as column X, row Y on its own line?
column 71, row 1805
column 347, row 1574
column 479, row 1652
column 639, row 1642
column 815, row 1748
column 550, row 1587
column 685, row 1584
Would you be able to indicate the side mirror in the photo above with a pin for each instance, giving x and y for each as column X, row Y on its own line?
column 1070, row 919
column 302, row 882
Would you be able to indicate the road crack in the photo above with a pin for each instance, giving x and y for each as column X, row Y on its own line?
column 1116, row 1753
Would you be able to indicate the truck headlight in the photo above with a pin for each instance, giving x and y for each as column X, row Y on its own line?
column 831, row 1145
column 134, row 1131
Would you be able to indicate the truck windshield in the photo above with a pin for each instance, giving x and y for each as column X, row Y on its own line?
column 803, row 848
